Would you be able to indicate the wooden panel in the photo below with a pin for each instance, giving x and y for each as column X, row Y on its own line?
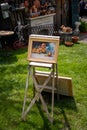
column 42, row 20
column 64, row 83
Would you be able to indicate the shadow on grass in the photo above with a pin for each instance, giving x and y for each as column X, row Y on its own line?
column 18, row 69
column 64, row 103
column 10, row 56
column 11, row 110
column 60, row 107
column 69, row 104
column 45, row 120
column 4, row 59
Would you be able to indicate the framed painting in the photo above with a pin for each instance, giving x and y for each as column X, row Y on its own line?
column 43, row 48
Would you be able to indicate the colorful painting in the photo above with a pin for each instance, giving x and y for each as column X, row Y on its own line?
column 43, row 49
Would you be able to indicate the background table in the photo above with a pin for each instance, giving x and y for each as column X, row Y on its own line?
column 6, row 33
column 6, row 40
column 4, row 37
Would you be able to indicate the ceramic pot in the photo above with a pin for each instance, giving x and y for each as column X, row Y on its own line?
column 68, row 43
column 75, row 39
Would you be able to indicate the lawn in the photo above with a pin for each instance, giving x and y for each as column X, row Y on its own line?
column 70, row 113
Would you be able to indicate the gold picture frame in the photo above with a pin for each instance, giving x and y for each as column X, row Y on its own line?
column 43, row 48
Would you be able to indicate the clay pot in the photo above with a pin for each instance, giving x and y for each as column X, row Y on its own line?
column 68, row 43
column 75, row 39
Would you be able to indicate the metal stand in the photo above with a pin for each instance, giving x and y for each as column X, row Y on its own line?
column 40, row 88
column 65, row 36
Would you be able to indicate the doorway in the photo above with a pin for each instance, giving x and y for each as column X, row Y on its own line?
column 63, row 12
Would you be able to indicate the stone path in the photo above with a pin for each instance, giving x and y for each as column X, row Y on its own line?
column 83, row 37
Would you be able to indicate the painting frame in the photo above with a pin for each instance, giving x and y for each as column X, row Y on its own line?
column 43, row 48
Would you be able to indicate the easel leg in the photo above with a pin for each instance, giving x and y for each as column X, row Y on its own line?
column 30, row 105
column 53, row 84
column 57, row 81
column 45, row 107
column 25, row 97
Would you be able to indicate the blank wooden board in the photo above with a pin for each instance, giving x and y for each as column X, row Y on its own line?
column 64, row 83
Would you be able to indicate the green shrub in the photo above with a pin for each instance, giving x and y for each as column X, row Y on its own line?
column 83, row 27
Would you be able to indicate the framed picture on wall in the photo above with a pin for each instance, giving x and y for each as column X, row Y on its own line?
column 42, row 48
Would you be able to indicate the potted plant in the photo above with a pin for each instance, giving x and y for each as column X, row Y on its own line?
column 83, row 27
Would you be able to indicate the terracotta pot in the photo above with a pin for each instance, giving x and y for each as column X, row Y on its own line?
column 75, row 39
column 68, row 43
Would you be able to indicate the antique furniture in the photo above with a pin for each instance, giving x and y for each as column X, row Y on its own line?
column 41, row 60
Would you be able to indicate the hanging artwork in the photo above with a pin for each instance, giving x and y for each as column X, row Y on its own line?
column 42, row 48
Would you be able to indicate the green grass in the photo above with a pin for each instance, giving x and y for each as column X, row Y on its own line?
column 70, row 113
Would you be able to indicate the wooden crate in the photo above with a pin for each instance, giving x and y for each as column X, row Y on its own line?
column 64, row 83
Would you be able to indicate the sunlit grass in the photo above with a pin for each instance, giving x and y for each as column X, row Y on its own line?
column 69, row 112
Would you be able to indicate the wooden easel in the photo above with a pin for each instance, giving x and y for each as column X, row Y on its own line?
column 39, row 88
